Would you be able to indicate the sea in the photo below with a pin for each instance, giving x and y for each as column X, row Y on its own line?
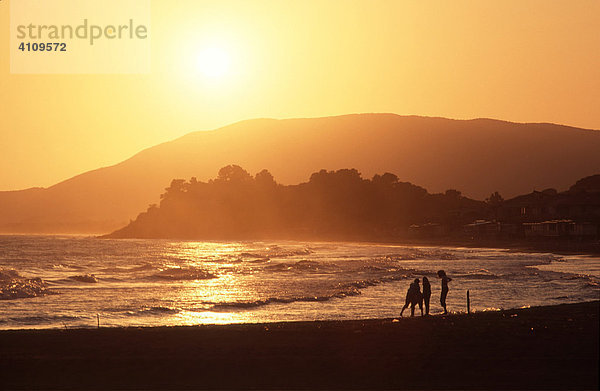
column 84, row 282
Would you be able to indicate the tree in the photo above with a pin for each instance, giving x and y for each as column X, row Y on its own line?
column 386, row 179
column 495, row 199
column 233, row 173
column 333, row 204
column 177, row 186
column 265, row 179
column 453, row 193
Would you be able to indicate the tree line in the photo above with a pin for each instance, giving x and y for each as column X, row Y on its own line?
column 334, row 205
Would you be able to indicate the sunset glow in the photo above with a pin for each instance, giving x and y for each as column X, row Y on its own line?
column 214, row 63
column 234, row 194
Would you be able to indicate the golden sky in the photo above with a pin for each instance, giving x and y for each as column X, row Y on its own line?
column 521, row 60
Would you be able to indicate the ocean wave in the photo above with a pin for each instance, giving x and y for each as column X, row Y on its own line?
column 253, row 255
column 155, row 310
column 300, row 266
column 63, row 266
column 289, row 253
column 47, row 319
column 272, row 300
column 260, row 260
column 13, row 286
column 585, row 277
column 347, row 289
column 120, row 269
column 87, row 278
column 392, row 269
column 361, row 284
column 374, row 268
column 275, row 252
column 481, row 274
column 428, row 254
column 183, row 273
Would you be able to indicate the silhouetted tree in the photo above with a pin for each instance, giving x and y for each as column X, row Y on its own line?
column 494, row 199
column 453, row 193
column 331, row 205
column 264, row 178
column 386, row 179
column 234, row 173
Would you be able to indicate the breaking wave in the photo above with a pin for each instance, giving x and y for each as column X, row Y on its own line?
column 182, row 273
column 300, row 266
column 273, row 300
column 156, row 310
column 88, row 278
column 481, row 274
column 342, row 290
column 122, row 269
column 13, row 286
column 275, row 252
column 47, row 319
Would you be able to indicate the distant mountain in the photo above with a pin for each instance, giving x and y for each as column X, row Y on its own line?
column 477, row 157
column 589, row 184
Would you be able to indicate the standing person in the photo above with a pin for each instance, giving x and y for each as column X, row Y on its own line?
column 413, row 297
column 445, row 280
column 426, row 294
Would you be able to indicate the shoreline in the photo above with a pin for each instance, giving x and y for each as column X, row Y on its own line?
column 586, row 248
column 279, row 323
column 552, row 347
column 590, row 249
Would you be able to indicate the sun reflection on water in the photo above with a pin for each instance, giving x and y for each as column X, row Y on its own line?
column 201, row 296
column 153, row 283
column 189, row 318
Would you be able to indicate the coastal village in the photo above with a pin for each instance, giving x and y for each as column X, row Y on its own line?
column 548, row 215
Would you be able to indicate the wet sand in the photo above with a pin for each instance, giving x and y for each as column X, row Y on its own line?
column 539, row 348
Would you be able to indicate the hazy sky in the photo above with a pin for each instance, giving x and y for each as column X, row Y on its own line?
column 524, row 61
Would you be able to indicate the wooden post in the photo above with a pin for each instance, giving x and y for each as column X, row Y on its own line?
column 98, row 316
column 468, row 303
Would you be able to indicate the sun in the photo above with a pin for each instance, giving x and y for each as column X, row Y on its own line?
column 214, row 62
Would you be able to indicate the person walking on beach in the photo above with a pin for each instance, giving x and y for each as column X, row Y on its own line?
column 426, row 294
column 413, row 297
column 445, row 280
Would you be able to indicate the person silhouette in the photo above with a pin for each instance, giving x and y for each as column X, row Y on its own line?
column 426, row 294
column 413, row 297
column 445, row 280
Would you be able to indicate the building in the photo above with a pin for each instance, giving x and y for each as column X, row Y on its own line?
column 567, row 229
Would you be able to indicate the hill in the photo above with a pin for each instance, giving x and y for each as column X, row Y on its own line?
column 476, row 156
column 332, row 205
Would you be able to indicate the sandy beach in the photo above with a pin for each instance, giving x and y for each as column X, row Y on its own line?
column 553, row 347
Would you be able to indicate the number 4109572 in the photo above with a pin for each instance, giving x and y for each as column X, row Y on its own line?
column 43, row 47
